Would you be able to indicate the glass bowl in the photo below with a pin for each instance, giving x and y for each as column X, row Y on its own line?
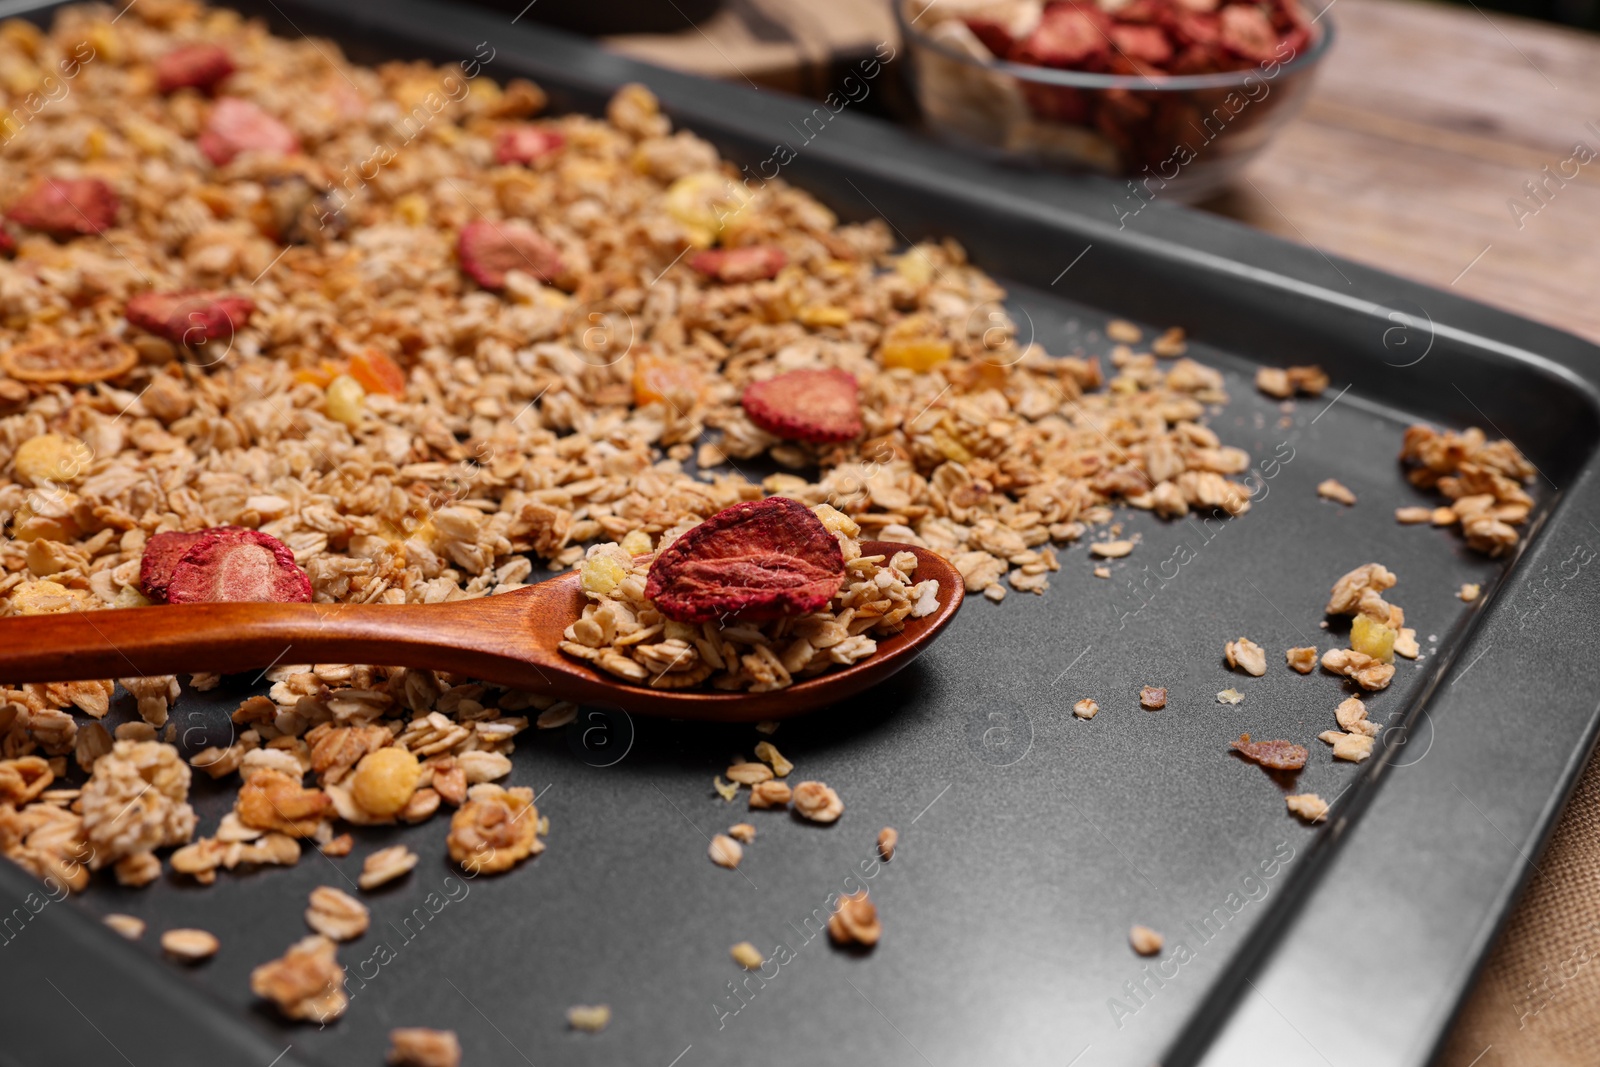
column 1170, row 135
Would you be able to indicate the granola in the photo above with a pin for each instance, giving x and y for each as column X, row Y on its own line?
column 855, row 921
column 421, row 1047
column 336, row 914
column 888, row 838
column 306, row 982
column 189, row 945
column 1483, row 479
column 1145, row 941
column 817, row 802
column 1245, row 655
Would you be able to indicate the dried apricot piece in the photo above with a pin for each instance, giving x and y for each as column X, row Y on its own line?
column 66, row 207
column 189, row 316
column 758, row 560
column 236, row 126
column 235, row 565
column 731, row 265
column 527, row 144
column 914, row 343
column 1273, row 755
column 659, row 378
column 378, row 373
column 491, row 250
column 819, row 406
column 78, row 361
column 193, row 66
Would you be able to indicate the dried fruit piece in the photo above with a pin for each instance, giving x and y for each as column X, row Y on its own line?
column 234, row 565
column 527, row 143
column 79, row 361
column 189, row 945
column 162, row 553
column 753, row 263
column 193, row 66
column 915, row 344
column 817, row 802
column 66, row 207
column 1273, row 755
column 855, row 921
column 378, row 372
column 416, row 1046
column 660, row 379
column 819, row 406
column 1230, row 696
column 490, row 250
column 1152, row 698
column 1145, row 941
column 190, row 316
column 236, row 126
column 758, row 560
column 1372, row 638
column 1307, row 806
column 1068, row 35
column 1245, row 655
column 51, row 457
column 768, row 753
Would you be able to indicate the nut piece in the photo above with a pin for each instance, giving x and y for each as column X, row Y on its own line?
column 1152, row 698
column 817, row 802
column 725, row 851
column 415, row 1046
column 1332, row 489
column 1303, row 660
column 1086, row 709
column 189, row 945
column 1145, row 941
column 1470, row 592
column 589, row 1019
column 126, row 925
column 742, row 832
column 888, row 838
column 1245, row 655
column 1307, row 806
column 336, row 914
column 385, row 865
column 305, row 982
column 747, row 956
column 495, row 829
column 764, row 795
column 855, row 922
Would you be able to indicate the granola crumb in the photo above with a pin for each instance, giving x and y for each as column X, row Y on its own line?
column 127, row 925
column 416, row 1046
column 336, row 914
column 1469, row 592
column 1307, row 806
column 1111, row 549
column 1405, row 643
column 591, row 1019
column 1152, row 699
column 1229, row 696
column 496, row 829
column 767, row 728
column 338, row 846
column 817, row 802
column 1102, row 572
column 1170, row 344
column 855, row 921
column 305, row 982
column 189, row 945
column 765, row 795
column 726, row 790
column 747, row 956
column 1335, row 490
column 1145, row 941
column 995, row 592
column 1303, row 660
column 1352, row 747
column 748, row 773
column 1086, row 709
column 1413, row 516
column 1123, row 332
column 1352, row 718
column 725, row 851
column 888, row 838
column 742, row 832
column 1245, row 655
column 768, row 753
column 385, row 865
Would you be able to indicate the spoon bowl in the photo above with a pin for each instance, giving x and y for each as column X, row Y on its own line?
column 510, row 640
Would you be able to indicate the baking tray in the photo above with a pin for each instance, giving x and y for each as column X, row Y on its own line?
column 1030, row 841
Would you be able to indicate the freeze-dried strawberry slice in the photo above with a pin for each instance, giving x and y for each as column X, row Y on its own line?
column 1142, row 44
column 490, row 250
column 527, row 144
column 236, row 126
column 1068, row 35
column 752, row 264
column 66, row 207
column 1273, row 755
column 994, row 33
column 193, row 66
column 819, row 406
column 162, row 553
column 760, row 560
column 190, row 316
column 235, row 565
column 1248, row 33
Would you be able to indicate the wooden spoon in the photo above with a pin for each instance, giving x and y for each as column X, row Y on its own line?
column 510, row 640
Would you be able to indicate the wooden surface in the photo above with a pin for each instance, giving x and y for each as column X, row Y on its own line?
column 1425, row 125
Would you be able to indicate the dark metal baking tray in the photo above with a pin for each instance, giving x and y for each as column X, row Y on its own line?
column 1030, row 841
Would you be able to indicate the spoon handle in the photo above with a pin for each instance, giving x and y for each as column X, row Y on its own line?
column 475, row 636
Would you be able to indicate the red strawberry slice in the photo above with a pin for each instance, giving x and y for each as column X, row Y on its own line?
column 66, row 207
column 1068, row 35
column 189, row 316
column 527, row 144
column 819, row 406
column 1248, row 33
column 490, row 250
column 162, row 553
column 193, row 66
column 236, row 126
column 763, row 559
column 238, row 566
column 753, row 264
column 1142, row 44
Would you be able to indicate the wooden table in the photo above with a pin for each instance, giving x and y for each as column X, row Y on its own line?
column 1413, row 155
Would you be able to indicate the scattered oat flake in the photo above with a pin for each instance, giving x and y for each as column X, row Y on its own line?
column 1145, row 941
column 336, row 914
column 749, row 773
column 747, row 956
column 767, row 753
column 817, row 802
column 855, row 921
column 589, row 1018
column 1303, row 660
column 1086, row 709
column 1307, row 806
column 1102, row 572
column 127, row 925
column 1470, row 592
column 415, row 1046
column 1352, row 747
column 338, row 846
column 1245, row 655
column 385, row 865
column 1111, row 549
column 1405, row 643
column 1152, row 698
column 189, row 945
column 725, row 851
column 742, row 832
column 1123, row 332
column 888, row 838
column 766, row 795
column 557, row 716
column 768, row 728
column 1273, row 755
column 1229, row 696
column 1413, row 516
column 1332, row 489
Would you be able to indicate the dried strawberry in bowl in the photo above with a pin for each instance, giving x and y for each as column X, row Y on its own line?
column 1175, row 95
